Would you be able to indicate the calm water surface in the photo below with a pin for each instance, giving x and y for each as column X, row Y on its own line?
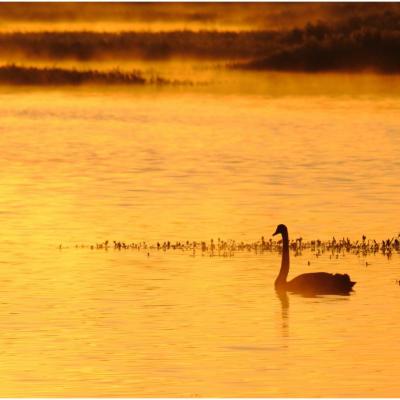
column 86, row 166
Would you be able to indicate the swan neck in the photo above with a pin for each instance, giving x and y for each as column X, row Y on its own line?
column 284, row 271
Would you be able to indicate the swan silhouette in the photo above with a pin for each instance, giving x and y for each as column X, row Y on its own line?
column 311, row 283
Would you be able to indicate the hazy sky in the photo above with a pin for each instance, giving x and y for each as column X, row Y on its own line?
column 189, row 15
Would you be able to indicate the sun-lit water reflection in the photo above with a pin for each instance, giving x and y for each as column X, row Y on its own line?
column 81, row 166
column 122, row 324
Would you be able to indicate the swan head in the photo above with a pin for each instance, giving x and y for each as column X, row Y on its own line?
column 280, row 229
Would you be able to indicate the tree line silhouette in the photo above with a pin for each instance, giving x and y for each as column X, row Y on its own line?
column 357, row 43
column 368, row 43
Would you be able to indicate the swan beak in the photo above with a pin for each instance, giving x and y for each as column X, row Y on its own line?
column 276, row 232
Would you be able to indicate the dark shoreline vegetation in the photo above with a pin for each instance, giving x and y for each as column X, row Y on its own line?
column 333, row 248
column 358, row 43
column 21, row 76
column 103, row 46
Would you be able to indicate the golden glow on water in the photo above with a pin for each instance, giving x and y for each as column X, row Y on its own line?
column 175, row 164
column 184, row 165
column 122, row 324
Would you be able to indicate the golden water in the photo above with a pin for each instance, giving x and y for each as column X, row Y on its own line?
column 80, row 166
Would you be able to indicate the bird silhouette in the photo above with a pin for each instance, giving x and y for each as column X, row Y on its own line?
column 310, row 283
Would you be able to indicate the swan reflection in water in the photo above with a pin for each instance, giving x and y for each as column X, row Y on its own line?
column 284, row 300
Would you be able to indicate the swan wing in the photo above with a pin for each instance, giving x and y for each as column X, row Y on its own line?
column 321, row 282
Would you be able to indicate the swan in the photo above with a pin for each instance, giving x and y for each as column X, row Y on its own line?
column 311, row 283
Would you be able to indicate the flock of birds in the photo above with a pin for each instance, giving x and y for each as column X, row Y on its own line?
column 308, row 283
column 222, row 248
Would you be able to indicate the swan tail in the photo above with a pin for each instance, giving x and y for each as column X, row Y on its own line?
column 345, row 278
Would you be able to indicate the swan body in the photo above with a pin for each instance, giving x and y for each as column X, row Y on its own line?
column 311, row 283
column 320, row 283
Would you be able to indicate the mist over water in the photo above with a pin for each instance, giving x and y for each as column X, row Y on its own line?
column 145, row 164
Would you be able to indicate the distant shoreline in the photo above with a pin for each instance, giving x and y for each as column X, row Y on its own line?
column 26, row 76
